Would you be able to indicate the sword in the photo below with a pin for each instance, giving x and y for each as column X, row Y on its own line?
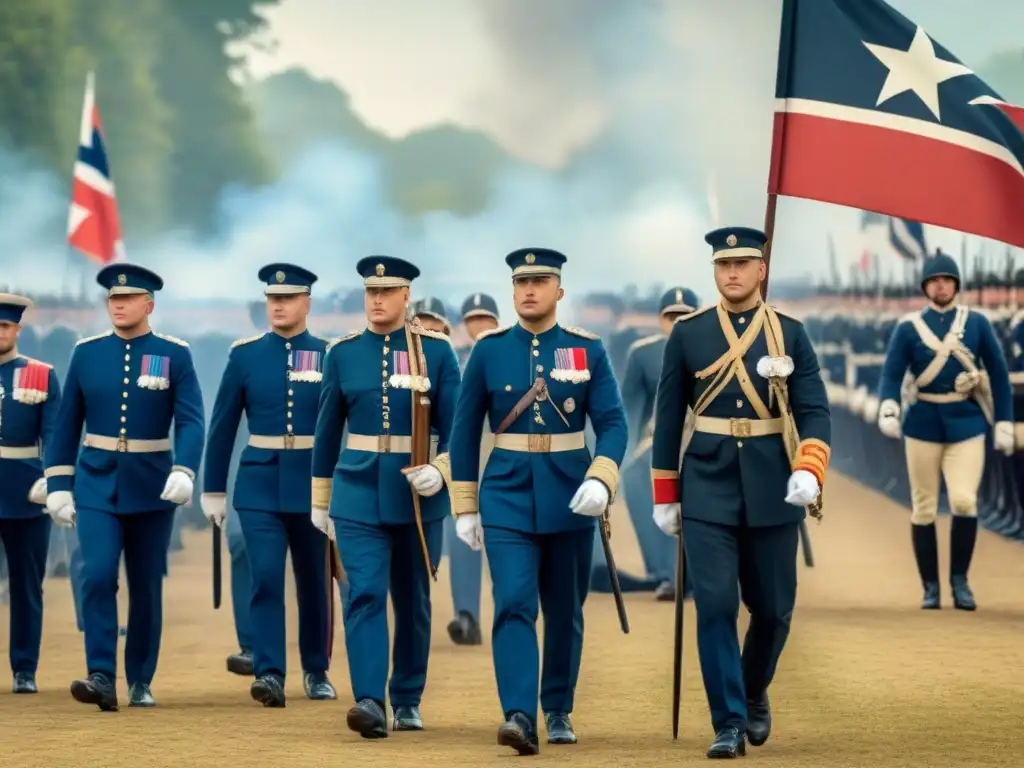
column 605, row 527
column 216, row 567
column 677, row 671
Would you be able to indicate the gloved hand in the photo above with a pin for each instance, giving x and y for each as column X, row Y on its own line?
column 669, row 518
column 889, row 419
column 330, row 530
column 469, row 530
column 425, row 479
column 61, row 506
column 590, row 499
column 1002, row 436
column 802, row 488
column 320, row 518
column 37, row 493
column 178, row 489
column 215, row 507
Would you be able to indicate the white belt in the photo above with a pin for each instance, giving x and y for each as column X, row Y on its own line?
column 379, row 443
column 570, row 441
column 124, row 445
column 19, row 452
column 281, row 442
column 738, row 427
column 943, row 397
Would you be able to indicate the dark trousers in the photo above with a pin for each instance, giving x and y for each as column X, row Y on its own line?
column 728, row 563
column 378, row 559
column 143, row 537
column 268, row 537
column 26, row 542
column 554, row 571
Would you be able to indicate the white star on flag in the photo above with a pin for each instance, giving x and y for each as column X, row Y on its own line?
column 916, row 69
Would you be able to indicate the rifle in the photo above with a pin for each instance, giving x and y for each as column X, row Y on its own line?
column 216, row 567
column 420, row 433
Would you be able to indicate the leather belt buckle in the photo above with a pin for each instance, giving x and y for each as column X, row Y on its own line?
column 739, row 427
column 383, row 443
column 122, row 444
column 289, row 442
column 540, row 443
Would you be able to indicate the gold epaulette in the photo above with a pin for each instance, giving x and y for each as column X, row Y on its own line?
column 87, row 339
column 494, row 332
column 32, row 360
column 172, row 339
column 340, row 339
column 691, row 315
column 247, row 340
column 644, row 342
column 431, row 333
column 786, row 315
column 583, row 334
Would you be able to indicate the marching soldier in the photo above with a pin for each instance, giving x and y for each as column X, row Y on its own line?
column 540, row 494
column 951, row 400
column 274, row 379
column 432, row 315
column 125, row 387
column 751, row 377
column 29, row 398
column 465, row 565
column 639, row 392
column 391, row 384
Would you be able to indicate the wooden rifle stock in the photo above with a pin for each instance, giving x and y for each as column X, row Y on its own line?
column 420, row 435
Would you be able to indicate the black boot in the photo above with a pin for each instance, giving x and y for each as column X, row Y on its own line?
column 728, row 743
column 268, row 690
column 926, row 553
column 25, row 682
column 963, row 534
column 96, row 689
column 759, row 720
column 367, row 719
column 519, row 733
column 241, row 663
column 464, row 629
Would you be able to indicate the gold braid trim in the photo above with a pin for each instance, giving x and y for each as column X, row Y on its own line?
column 443, row 464
column 322, row 492
column 607, row 471
column 464, row 497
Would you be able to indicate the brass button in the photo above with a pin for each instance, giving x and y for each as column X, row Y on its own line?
column 743, row 320
column 291, row 404
column 508, row 387
column 124, row 407
column 287, row 345
column 536, row 353
column 291, row 392
column 126, row 381
column 123, row 419
column 123, row 430
column 127, row 346
column 536, row 342
column 384, row 363
column 126, row 369
column 387, row 338
column 289, row 427
column 124, row 394
column 386, row 350
column 384, row 374
column 385, row 398
column 739, row 403
column 127, row 358
column 387, row 425
column 288, row 415
column 739, row 443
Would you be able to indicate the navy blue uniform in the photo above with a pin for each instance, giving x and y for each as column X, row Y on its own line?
column 29, row 398
column 125, row 393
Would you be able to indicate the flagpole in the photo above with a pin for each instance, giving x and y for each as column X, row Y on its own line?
column 787, row 26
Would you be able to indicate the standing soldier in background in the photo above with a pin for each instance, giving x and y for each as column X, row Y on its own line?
column 29, row 398
column 432, row 315
column 391, row 384
column 751, row 377
column 125, row 387
column 274, row 379
column 465, row 564
column 541, row 493
column 639, row 392
column 951, row 402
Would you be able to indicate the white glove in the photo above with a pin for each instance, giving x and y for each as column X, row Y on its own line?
column 61, row 506
column 426, row 480
column 1002, row 436
column 591, row 498
column 37, row 493
column 889, row 419
column 178, row 489
column 669, row 518
column 321, row 517
column 215, row 507
column 802, row 488
column 469, row 530
column 330, row 530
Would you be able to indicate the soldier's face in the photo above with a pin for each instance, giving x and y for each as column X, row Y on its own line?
column 431, row 323
column 941, row 290
column 478, row 324
column 386, row 306
column 287, row 311
column 8, row 336
column 537, row 296
column 129, row 311
column 737, row 279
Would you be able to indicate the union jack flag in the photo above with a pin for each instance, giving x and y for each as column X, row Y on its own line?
column 872, row 113
column 94, row 227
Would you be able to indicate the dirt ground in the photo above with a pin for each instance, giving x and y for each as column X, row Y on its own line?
column 866, row 680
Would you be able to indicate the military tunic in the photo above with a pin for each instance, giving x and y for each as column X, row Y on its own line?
column 125, row 393
column 275, row 381
column 29, row 399
column 536, row 546
column 366, row 389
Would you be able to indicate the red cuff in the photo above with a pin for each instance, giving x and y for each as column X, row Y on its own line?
column 666, row 490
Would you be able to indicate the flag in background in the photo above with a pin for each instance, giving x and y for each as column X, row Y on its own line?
column 907, row 239
column 873, row 114
column 94, row 227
